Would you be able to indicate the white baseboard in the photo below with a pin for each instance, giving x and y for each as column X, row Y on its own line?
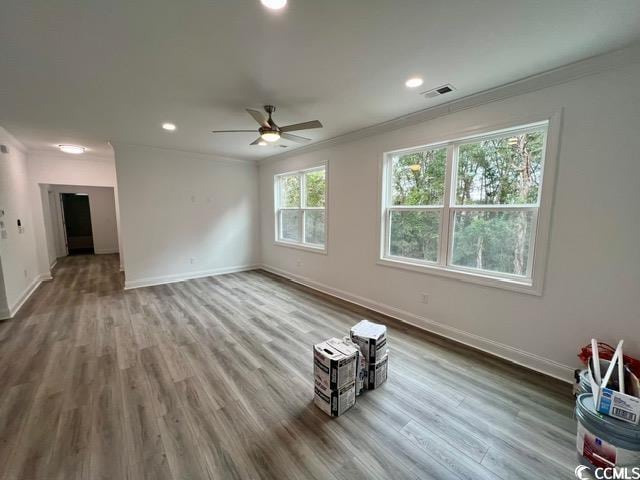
column 507, row 352
column 106, row 251
column 13, row 309
column 181, row 277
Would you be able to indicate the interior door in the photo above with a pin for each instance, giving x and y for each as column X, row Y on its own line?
column 77, row 223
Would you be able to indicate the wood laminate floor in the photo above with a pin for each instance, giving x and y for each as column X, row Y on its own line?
column 212, row 378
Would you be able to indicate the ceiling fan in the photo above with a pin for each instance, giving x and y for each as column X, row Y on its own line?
column 270, row 132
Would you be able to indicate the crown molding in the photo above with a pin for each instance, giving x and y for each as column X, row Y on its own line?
column 85, row 157
column 549, row 78
column 191, row 154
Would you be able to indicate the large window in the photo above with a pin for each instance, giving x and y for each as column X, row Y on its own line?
column 301, row 208
column 469, row 206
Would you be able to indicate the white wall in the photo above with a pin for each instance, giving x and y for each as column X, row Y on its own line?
column 19, row 267
column 4, row 305
column 185, row 215
column 103, row 217
column 52, row 168
column 593, row 274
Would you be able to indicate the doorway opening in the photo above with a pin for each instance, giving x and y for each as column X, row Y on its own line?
column 76, row 216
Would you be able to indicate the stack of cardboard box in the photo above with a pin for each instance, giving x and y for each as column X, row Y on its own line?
column 334, row 367
column 343, row 368
column 371, row 339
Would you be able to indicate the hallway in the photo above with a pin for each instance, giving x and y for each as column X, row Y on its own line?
column 211, row 378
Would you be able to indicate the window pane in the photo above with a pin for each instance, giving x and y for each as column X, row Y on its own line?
column 314, row 227
column 504, row 170
column 495, row 241
column 290, row 191
column 315, row 188
column 414, row 234
column 290, row 225
column 418, row 178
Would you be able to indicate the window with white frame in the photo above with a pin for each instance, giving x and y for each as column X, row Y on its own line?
column 301, row 207
column 466, row 206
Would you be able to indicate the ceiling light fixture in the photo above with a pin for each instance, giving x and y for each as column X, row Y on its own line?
column 73, row 149
column 262, row 143
column 270, row 136
column 414, row 82
column 274, row 4
column 169, row 126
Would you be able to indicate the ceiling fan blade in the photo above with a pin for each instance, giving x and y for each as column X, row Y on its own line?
column 301, row 126
column 256, row 141
column 232, row 131
column 259, row 117
column 295, row 138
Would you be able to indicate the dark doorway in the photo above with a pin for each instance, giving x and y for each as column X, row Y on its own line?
column 76, row 215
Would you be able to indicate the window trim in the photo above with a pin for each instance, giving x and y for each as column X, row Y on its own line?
column 301, row 245
column 539, row 242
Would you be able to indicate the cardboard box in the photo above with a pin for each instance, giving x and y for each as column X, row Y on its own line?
column 614, row 402
column 377, row 372
column 334, row 363
column 335, row 402
column 361, row 374
column 371, row 338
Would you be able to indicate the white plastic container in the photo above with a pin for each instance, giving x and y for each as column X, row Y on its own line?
column 602, row 441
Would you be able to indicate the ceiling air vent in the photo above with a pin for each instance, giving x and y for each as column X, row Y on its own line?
column 436, row 92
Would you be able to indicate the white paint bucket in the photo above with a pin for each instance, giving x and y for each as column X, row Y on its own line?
column 604, row 441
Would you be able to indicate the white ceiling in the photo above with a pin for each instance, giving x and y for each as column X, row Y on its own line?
column 92, row 72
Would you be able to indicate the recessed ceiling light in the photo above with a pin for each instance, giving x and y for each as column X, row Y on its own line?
column 74, row 149
column 414, row 82
column 274, row 4
column 169, row 126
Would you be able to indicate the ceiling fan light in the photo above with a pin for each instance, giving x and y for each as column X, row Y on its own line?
column 270, row 136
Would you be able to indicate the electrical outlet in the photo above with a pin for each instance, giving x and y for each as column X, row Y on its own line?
column 424, row 298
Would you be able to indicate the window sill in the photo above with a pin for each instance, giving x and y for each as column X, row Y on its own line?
column 301, row 246
column 524, row 286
